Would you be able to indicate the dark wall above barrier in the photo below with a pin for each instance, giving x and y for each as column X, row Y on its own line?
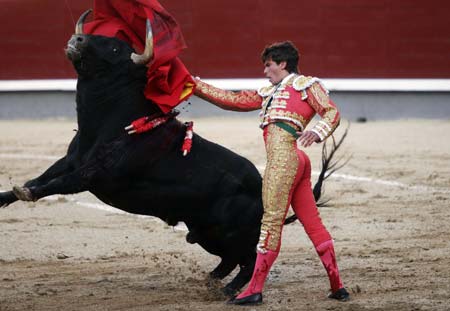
column 336, row 39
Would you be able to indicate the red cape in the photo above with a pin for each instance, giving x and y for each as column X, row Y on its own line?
column 168, row 80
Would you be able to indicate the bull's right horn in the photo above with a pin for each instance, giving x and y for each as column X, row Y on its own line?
column 145, row 57
column 79, row 26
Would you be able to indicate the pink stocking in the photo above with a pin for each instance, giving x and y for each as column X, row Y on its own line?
column 328, row 258
column 262, row 267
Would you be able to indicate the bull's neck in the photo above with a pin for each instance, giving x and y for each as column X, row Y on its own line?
column 111, row 105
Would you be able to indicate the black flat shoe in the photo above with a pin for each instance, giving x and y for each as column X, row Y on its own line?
column 255, row 299
column 341, row 294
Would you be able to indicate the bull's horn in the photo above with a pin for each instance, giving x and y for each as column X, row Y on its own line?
column 79, row 26
column 145, row 57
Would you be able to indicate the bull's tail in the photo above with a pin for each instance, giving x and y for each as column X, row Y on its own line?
column 329, row 166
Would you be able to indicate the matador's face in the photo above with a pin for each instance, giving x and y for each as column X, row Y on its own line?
column 275, row 72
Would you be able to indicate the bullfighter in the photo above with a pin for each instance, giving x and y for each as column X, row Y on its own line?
column 287, row 106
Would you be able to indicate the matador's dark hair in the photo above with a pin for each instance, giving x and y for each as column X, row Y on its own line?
column 282, row 52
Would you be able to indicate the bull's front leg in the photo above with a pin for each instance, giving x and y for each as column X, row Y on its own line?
column 74, row 182
column 59, row 168
column 7, row 198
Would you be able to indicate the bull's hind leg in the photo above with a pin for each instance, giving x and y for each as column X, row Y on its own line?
column 243, row 277
column 224, row 268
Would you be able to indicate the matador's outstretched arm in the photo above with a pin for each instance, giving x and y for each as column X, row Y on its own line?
column 228, row 100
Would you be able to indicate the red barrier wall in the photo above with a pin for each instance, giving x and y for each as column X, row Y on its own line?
column 336, row 39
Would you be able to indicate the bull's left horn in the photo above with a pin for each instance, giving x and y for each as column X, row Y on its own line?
column 145, row 57
column 79, row 26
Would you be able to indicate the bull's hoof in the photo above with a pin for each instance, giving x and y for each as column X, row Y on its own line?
column 23, row 193
column 215, row 289
column 229, row 292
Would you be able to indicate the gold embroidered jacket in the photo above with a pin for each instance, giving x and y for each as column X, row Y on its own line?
column 295, row 100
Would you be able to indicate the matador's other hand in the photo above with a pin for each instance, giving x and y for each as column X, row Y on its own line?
column 307, row 138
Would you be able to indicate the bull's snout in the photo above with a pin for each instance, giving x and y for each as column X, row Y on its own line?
column 75, row 46
column 77, row 41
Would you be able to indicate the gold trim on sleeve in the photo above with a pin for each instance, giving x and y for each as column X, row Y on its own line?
column 322, row 104
column 229, row 100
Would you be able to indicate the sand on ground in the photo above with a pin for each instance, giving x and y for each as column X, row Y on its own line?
column 389, row 217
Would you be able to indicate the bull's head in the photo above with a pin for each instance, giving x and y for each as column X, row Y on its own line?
column 93, row 54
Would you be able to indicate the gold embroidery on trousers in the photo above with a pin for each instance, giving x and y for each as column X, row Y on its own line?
column 281, row 169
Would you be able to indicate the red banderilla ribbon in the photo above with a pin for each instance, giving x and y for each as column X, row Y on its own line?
column 187, row 144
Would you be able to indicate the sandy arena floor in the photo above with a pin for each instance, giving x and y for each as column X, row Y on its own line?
column 390, row 220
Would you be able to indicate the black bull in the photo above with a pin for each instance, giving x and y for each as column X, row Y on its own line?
column 214, row 191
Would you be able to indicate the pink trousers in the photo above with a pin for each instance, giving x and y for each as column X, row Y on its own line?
column 287, row 182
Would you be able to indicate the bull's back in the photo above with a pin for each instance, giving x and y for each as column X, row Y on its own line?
column 221, row 160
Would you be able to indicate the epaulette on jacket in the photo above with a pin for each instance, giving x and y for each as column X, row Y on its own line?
column 266, row 90
column 302, row 83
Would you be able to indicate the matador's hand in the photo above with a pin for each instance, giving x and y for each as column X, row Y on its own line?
column 307, row 138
